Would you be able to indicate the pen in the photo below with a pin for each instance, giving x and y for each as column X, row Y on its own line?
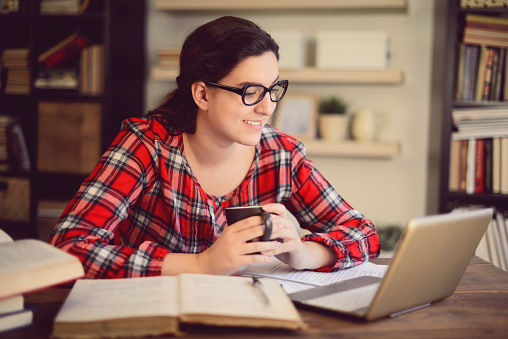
column 259, row 287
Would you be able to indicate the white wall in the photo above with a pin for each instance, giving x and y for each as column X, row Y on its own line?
column 386, row 191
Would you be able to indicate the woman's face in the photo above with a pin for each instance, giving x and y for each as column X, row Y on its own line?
column 227, row 118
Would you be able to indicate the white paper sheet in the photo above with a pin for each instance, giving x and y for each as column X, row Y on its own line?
column 296, row 280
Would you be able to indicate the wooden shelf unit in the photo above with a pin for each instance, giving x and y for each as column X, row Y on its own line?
column 311, row 76
column 177, row 5
column 308, row 75
column 352, row 149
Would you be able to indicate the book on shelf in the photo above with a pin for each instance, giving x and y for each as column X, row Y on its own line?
column 471, row 165
column 20, row 159
column 151, row 306
column 57, row 78
column 502, row 230
column 481, row 61
column 487, row 83
column 486, row 21
column 503, row 171
column 497, row 70
column 485, row 36
column 474, row 4
column 480, row 77
column 15, row 62
column 14, row 155
column 64, row 6
column 63, row 51
column 480, row 122
column 479, row 155
column 467, row 73
column 92, row 70
column 493, row 246
column 454, row 166
column 9, row 6
column 488, row 165
column 479, row 172
column 463, row 165
column 28, row 265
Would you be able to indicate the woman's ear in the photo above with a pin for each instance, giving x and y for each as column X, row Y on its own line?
column 200, row 95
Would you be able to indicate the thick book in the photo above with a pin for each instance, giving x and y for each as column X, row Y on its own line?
column 29, row 265
column 12, row 304
column 482, row 71
column 17, row 319
column 486, row 21
column 487, row 184
column 464, row 145
column 503, row 172
column 151, row 306
column 62, row 51
column 18, row 150
column 453, row 183
column 479, row 173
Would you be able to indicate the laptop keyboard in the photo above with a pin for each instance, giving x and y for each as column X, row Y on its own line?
column 348, row 301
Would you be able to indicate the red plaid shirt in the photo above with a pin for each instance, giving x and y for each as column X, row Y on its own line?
column 141, row 201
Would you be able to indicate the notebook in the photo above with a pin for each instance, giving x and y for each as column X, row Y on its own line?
column 427, row 266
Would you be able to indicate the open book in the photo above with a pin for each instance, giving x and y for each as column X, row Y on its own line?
column 159, row 305
column 28, row 265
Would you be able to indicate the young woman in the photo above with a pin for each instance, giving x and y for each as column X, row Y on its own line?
column 155, row 202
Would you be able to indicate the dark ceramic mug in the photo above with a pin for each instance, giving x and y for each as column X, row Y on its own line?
column 235, row 214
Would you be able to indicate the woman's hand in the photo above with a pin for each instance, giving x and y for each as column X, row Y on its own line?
column 294, row 252
column 232, row 250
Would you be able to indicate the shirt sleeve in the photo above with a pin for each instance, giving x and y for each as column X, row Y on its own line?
column 330, row 219
column 87, row 227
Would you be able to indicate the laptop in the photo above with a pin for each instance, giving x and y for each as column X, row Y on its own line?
column 427, row 266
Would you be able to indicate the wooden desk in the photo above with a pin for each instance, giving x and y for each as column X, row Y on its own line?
column 477, row 309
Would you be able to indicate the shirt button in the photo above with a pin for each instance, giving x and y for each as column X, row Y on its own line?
column 217, row 203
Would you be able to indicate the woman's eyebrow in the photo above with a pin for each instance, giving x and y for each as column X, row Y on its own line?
column 277, row 79
column 257, row 83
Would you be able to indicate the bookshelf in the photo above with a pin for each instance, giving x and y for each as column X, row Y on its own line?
column 448, row 199
column 468, row 164
column 63, row 126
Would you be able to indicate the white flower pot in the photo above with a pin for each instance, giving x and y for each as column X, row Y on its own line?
column 333, row 127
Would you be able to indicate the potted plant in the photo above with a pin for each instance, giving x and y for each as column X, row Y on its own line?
column 333, row 118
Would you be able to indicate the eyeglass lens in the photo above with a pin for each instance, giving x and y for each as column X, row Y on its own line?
column 255, row 93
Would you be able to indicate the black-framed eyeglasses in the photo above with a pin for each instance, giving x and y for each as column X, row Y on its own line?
column 254, row 93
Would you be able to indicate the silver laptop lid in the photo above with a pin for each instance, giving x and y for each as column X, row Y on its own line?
column 430, row 260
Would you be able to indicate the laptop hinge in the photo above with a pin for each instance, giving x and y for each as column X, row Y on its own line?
column 396, row 314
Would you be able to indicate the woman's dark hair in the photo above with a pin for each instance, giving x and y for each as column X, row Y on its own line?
column 210, row 53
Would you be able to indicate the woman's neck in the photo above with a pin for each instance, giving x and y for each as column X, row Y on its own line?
column 219, row 169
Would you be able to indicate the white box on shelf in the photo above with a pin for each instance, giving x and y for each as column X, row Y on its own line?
column 352, row 50
column 291, row 49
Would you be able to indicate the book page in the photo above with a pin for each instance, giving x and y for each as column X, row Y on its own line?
column 27, row 265
column 104, row 299
column 4, row 237
column 283, row 272
column 233, row 296
column 26, row 254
